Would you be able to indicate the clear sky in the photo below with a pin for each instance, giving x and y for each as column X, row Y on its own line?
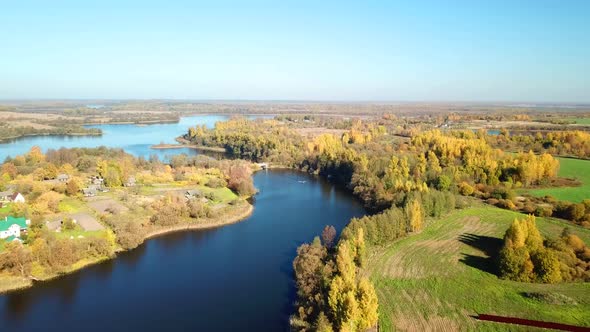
column 468, row 50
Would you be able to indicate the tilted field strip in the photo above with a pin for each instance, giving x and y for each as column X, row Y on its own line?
column 442, row 286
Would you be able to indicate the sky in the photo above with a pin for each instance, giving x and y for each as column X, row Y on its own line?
column 513, row 51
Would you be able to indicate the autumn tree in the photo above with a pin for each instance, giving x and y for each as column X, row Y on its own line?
column 524, row 256
column 414, row 214
column 328, row 236
column 16, row 259
column 72, row 188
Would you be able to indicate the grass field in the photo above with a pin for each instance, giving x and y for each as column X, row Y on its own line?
column 71, row 205
column 5, row 209
column 570, row 168
column 438, row 279
column 582, row 121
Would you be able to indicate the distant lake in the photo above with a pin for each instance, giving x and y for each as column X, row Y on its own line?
column 134, row 139
column 233, row 278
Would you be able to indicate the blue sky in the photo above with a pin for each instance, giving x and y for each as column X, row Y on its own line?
column 310, row 50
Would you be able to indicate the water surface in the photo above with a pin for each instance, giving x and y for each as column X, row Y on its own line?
column 135, row 139
column 234, row 278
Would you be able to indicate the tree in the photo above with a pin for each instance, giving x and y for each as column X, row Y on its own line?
column 443, row 183
column 35, row 155
column 240, row 179
column 414, row 215
column 368, row 303
column 328, row 236
column 309, row 277
column 16, row 259
column 72, row 188
column 323, row 324
column 546, row 266
column 68, row 224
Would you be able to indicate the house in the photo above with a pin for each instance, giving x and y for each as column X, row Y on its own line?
column 5, row 195
column 130, row 182
column 263, row 165
column 193, row 193
column 96, row 180
column 62, row 178
column 89, row 192
column 13, row 226
column 17, row 198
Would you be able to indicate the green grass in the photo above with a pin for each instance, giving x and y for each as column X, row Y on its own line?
column 5, row 209
column 222, row 195
column 583, row 121
column 569, row 168
column 76, row 232
column 438, row 278
column 71, row 205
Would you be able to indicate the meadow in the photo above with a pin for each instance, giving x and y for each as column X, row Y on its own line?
column 569, row 168
column 442, row 277
column 582, row 121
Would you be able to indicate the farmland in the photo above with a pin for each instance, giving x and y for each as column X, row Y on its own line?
column 443, row 276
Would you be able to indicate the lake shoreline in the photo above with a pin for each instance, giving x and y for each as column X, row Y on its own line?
column 19, row 283
column 182, row 146
column 6, row 140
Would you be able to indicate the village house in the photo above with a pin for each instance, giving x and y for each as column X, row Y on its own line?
column 193, row 193
column 96, row 180
column 13, row 227
column 130, row 182
column 62, row 178
column 89, row 192
column 11, row 197
column 5, row 195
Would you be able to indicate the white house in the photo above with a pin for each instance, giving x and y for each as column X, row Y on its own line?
column 13, row 226
column 17, row 198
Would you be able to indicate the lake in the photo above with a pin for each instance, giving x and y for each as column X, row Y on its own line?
column 134, row 139
column 234, row 278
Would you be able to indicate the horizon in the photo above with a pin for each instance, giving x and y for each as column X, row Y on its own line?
column 531, row 52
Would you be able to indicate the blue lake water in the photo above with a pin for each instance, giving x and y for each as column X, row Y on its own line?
column 234, row 278
column 135, row 139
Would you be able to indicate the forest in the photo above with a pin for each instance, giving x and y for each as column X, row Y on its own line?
column 408, row 177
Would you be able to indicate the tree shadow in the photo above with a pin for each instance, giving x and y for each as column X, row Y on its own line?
column 489, row 246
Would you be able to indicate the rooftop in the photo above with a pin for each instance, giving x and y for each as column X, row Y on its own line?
column 10, row 220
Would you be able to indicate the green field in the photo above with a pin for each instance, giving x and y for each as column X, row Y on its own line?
column 5, row 209
column 582, row 121
column 570, row 168
column 71, row 205
column 438, row 279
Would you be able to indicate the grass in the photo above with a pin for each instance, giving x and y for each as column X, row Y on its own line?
column 582, row 121
column 222, row 195
column 5, row 209
column 440, row 278
column 79, row 231
column 569, row 168
column 71, row 205
column 8, row 283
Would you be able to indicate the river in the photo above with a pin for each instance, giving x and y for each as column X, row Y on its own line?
column 234, row 278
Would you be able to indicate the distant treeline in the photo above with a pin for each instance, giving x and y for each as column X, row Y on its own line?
column 7, row 132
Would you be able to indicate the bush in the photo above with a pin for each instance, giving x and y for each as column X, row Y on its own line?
column 216, row 183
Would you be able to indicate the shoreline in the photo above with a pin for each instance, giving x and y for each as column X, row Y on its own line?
column 190, row 146
column 6, row 139
column 233, row 218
